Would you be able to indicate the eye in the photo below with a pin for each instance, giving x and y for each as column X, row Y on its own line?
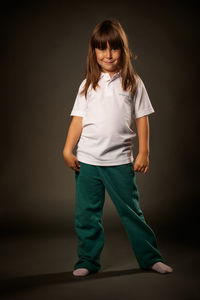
column 101, row 48
column 115, row 49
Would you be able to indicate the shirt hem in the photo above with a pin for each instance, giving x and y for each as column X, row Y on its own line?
column 108, row 163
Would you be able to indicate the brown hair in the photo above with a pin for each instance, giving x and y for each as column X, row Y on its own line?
column 110, row 31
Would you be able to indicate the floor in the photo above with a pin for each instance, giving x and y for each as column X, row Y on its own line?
column 40, row 267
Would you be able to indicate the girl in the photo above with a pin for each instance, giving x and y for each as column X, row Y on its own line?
column 109, row 100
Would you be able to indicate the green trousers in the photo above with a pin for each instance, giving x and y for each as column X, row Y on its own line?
column 120, row 183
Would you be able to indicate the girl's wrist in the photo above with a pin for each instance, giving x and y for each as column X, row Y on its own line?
column 67, row 151
column 144, row 152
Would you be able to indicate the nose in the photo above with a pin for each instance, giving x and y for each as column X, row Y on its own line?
column 108, row 53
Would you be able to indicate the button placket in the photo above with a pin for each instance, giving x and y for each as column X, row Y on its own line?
column 109, row 88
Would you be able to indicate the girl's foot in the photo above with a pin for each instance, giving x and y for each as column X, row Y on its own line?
column 161, row 267
column 81, row 272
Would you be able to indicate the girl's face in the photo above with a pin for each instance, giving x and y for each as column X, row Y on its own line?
column 108, row 59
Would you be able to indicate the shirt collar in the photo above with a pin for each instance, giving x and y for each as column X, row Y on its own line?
column 107, row 75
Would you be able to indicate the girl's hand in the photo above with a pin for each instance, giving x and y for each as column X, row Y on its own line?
column 71, row 161
column 141, row 163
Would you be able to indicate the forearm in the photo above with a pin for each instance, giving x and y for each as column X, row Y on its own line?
column 143, row 134
column 73, row 135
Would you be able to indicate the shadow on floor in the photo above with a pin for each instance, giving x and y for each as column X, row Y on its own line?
column 14, row 284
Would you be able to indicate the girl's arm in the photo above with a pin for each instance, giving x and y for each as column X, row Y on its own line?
column 73, row 136
column 142, row 160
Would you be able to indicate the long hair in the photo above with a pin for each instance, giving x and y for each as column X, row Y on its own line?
column 109, row 31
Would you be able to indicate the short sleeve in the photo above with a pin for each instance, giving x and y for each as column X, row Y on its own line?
column 142, row 103
column 80, row 103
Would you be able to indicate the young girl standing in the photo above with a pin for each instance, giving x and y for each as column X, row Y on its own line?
column 109, row 100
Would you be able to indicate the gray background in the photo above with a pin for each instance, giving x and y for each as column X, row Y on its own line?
column 43, row 53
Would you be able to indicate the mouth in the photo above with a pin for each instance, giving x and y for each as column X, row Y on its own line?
column 108, row 62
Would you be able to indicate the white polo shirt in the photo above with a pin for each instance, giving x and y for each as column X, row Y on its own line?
column 108, row 121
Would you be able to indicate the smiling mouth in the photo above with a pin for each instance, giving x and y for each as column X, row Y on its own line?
column 108, row 62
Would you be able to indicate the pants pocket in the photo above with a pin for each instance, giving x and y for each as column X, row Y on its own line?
column 131, row 168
